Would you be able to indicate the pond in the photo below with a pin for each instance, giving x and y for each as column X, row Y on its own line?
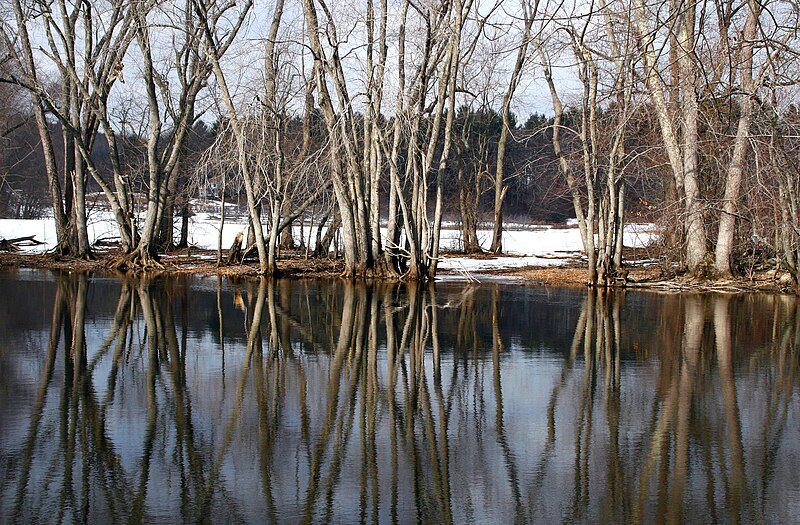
column 186, row 399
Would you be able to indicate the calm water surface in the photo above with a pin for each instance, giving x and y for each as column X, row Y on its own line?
column 198, row 400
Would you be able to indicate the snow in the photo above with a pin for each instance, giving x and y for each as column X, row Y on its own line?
column 99, row 225
column 537, row 246
column 525, row 245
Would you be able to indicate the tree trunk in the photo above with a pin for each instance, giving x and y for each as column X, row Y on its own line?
column 322, row 246
column 585, row 219
column 287, row 238
column 60, row 217
column 696, row 248
column 682, row 153
column 183, row 242
column 166, row 235
column 727, row 222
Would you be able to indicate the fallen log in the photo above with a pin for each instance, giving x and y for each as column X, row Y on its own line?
column 107, row 242
column 13, row 245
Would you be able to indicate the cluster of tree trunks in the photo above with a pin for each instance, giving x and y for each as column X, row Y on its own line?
column 320, row 125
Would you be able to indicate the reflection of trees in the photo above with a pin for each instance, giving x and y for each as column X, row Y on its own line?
column 783, row 357
column 86, row 479
column 357, row 400
column 386, row 403
column 691, row 458
column 597, row 342
column 76, row 447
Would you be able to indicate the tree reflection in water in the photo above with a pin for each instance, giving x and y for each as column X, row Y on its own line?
column 394, row 403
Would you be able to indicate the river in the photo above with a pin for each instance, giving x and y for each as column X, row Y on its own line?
column 203, row 400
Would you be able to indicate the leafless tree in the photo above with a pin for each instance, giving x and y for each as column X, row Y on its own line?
column 194, row 59
column 529, row 11
column 84, row 44
column 680, row 134
column 604, row 69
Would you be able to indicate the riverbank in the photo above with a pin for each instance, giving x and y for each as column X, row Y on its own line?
column 642, row 274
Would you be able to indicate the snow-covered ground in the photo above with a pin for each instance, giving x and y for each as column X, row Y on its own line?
column 526, row 245
column 535, row 246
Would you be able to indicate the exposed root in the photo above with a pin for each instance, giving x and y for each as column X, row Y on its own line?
column 378, row 270
column 136, row 261
column 472, row 250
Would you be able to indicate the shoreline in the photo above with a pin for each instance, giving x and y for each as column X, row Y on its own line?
column 294, row 265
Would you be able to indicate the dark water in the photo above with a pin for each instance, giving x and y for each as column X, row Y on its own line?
column 189, row 400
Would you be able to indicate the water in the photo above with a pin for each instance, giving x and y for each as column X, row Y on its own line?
column 198, row 400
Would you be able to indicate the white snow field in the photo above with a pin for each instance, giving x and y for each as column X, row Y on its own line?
column 525, row 245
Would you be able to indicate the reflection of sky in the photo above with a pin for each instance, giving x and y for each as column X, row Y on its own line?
column 253, row 452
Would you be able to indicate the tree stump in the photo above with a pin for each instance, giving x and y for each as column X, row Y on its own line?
column 235, row 251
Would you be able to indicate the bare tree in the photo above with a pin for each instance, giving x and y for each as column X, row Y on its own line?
column 72, row 31
column 529, row 11
column 443, row 61
column 216, row 44
column 415, row 147
column 192, row 65
column 680, row 136
column 353, row 161
column 598, row 197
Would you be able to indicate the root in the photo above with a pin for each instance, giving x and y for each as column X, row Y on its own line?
column 62, row 252
column 272, row 272
column 136, row 261
column 379, row 270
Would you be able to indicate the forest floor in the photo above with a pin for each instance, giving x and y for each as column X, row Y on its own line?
column 642, row 274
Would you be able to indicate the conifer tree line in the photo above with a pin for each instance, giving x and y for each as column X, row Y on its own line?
column 379, row 121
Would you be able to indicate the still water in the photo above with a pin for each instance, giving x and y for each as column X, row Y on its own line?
column 185, row 399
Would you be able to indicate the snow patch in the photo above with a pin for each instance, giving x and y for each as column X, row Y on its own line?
column 538, row 245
